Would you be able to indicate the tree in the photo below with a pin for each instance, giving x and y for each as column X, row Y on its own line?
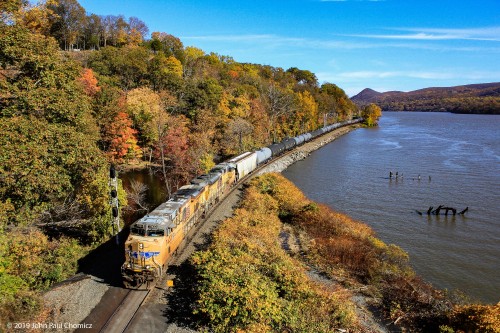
column 333, row 99
column 308, row 115
column 9, row 9
column 278, row 103
column 192, row 54
column 303, row 76
column 371, row 113
column 235, row 136
column 137, row 30
column 124, row 143
column 92, row 32
column 164, row 72
column 60, row 160
column 36, row 18
column 172, row 151
column 67, row 25
column 89, row 82
column 144, row 108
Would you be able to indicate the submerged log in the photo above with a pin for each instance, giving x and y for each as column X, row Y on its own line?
column 437, row 210
column 447, row 209
column 463, row 211
column 430, row 210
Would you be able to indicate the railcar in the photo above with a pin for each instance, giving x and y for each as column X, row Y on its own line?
column 316, row 133
column 152, row 241
column 299, row 139
column 245, row 163
column 289, row 143
column 277, row 149
column 228, row 174
column 213, row 183
column 263, row 155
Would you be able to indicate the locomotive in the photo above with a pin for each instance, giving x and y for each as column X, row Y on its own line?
column 154, row 238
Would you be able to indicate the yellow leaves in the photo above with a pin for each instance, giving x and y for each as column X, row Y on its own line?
column 371, row 113
column 248, row 282
column 477, row 318
column 308, row 117
column 143, row 100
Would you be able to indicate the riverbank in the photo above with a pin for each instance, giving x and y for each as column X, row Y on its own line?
column 303, row 151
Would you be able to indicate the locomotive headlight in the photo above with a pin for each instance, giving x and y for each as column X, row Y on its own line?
column 148, row 267
column 141, row 246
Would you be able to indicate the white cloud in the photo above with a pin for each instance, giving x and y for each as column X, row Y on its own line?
column 270, row 40
column 478, row 34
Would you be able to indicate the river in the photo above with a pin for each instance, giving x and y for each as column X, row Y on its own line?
column 444, row 159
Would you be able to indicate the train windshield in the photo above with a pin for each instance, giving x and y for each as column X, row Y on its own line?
column 147, row 231
column 137, row 231
column 155, row 232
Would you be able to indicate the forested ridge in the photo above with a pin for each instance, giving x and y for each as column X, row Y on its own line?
column 79, row 92
column 475, row 98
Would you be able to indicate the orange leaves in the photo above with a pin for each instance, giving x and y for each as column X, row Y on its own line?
column 124, row 143
column 89, row 82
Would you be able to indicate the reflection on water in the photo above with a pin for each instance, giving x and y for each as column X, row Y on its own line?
column 155, row 192
column 457, row 159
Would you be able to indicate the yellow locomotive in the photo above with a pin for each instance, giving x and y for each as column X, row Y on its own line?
column 155, row 238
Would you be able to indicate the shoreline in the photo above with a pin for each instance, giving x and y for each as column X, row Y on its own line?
column 305, row 150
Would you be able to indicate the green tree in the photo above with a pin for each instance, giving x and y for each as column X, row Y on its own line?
column 58, row 162
column 68, row 23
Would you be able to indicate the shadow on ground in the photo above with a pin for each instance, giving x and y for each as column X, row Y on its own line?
column 105, row 261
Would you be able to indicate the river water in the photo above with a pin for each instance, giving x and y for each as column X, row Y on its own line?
column 457, row 158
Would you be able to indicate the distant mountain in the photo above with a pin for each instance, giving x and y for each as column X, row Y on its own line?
column 475, row 98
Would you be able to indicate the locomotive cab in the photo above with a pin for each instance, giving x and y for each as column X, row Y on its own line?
column 145, row 249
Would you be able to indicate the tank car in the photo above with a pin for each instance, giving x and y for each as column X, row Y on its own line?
column 300, row 139
column 263, row 155
column 277, row 148
column 289, row 143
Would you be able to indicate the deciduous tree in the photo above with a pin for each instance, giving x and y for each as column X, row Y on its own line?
column 371, row 113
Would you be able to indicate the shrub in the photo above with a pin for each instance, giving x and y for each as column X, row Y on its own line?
column 246, row 282
column 30, row 263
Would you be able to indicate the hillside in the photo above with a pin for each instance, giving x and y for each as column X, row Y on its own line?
column 475, row 98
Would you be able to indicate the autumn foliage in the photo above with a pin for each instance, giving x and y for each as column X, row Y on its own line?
column 124, row 143
column 349, row 252
column 248, row 283
column 89, row 82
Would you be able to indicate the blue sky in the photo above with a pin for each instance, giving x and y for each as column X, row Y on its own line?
column 380, row 44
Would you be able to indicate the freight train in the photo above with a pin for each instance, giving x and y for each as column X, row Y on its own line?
column 154, row 239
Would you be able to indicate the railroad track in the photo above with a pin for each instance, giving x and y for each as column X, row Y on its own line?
column 125, row 312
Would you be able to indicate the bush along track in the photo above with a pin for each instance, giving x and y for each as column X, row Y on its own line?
column 247, row 281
